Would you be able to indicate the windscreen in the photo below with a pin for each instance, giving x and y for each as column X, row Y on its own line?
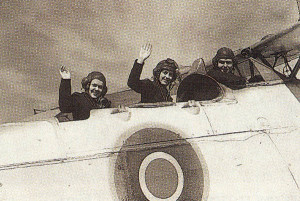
column 198, row 87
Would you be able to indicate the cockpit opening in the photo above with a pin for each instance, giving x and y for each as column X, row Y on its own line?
column 198, row 87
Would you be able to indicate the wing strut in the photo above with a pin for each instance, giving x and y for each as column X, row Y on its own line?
column 287, row 68
column 296, row 69
column 262, row 58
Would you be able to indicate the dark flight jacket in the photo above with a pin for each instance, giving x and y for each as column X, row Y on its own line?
column 79, row 104
column 228, row 79
column 151, row 91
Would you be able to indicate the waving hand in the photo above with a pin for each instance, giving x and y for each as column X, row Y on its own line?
column 65, row 74
column 144, row 53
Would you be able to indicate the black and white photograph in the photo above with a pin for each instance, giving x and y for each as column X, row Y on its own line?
column 154, row 100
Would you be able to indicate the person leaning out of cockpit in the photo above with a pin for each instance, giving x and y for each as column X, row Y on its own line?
column 164, row 74
column 80, row 104
column 224, row 65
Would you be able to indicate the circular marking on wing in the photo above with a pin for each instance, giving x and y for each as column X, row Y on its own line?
column 161, row 177
column 152, row 157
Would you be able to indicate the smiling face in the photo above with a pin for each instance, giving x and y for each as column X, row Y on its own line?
column 165, row 77
column 225, row 65
column 96, row 88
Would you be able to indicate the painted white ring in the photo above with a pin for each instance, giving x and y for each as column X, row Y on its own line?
column 142, row 176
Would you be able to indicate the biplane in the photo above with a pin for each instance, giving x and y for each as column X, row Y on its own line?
column 214, row 143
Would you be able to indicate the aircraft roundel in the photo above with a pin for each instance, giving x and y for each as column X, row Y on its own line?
column 158, row 164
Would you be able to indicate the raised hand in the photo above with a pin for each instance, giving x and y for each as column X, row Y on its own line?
column 65, row 74
column 144, row 53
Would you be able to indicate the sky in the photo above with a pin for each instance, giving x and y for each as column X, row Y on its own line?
column 38, row 36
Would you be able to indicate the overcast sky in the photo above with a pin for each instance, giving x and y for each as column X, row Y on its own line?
column 38, row 36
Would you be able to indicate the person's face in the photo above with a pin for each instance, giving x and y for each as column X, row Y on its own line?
column 165, row 77
column 225, row 65
column 96, row 88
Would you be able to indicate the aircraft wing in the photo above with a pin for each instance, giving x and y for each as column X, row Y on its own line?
column 287, row 41
column 211, row 151
column 276, row 49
